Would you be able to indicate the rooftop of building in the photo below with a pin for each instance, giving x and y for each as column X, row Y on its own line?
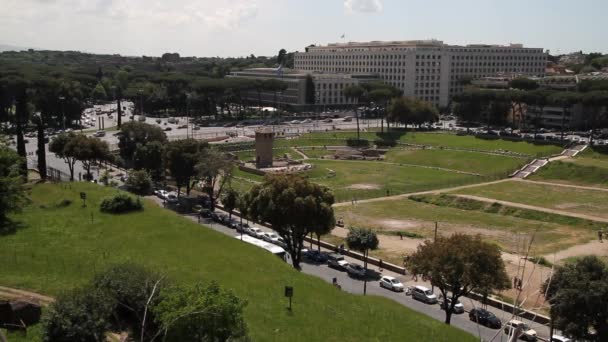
column 293, row 73
column 411, row 43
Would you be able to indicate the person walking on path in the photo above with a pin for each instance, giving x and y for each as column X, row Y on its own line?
column 600, row 234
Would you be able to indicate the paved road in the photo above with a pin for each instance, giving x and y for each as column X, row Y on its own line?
column 356, row 286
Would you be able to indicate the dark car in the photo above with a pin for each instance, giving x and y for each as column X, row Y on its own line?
column 355, row 271
column 485, row 317
column 206, row 213
column 315, row 256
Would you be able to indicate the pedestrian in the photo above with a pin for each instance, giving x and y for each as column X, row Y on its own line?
column 380, row 262
column 352, row 201
column 514, row 282
column 599, row 235
column 519, row 284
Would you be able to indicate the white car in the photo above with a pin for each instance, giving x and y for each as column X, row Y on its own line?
column 100, row 134
column 271, row 237
column 527, row 333
column 391, row 283
column 424, row 294
column 162, row 194
column 255, row 232
column 559, row 338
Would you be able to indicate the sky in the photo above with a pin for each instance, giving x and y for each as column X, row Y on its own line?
column 262, row 27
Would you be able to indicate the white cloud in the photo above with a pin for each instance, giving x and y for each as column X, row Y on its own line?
column 363, row 6
column 231, row 17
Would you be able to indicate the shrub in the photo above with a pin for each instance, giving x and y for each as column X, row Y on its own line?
column 353, row 142
column 78, row 315
column 139, row 182
column 385, row 143
column 120, row 203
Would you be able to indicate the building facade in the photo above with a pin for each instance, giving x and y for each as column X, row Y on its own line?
column 427, row 69
column 328, row 87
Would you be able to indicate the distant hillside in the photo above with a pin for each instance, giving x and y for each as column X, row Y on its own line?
column 4, row 47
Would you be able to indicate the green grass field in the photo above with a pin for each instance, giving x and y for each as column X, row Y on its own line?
column 368, row 179
column 485, row 164
column 425, row 138
column 588, row 168
column 418, row 217
column 590, row 202
column 61, row 247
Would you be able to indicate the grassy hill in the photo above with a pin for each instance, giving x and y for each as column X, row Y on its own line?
column 59, row 246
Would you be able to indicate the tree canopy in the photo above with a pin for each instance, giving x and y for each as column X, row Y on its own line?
column 458, row 265
column 294, row 207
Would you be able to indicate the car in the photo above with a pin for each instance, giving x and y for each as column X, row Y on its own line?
column 172, row 120
column 391, row 283
column 242, row 227
column 167, row 129
column 527, row 333
column 160, row 193
column 205, row 213
column 141, row 118
column 559, row 338
column 485, row 318
column 348, row 119
column 171, row 197
column 307, row 121
column 271, row 237
column 158, row 121
column 315, row 256
column 182, row 126
column 255, row 232
column 355, row 270
column 328, row 120
column 100, row 134
column 231, row 223
column 424, row 294
column 196, row 127
column 458, row 307
column 337, row 261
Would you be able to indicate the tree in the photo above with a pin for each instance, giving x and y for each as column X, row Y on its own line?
column 596, row 101
column 540, row 99
column 578, row 294
column 565, row 100
column 136, row 133
column 215, row 170
column 60, row 146
column 230, row 201
column 99, row 93
column 13, row 197
column 133, row 291
column 354, row 93
column 121, row 83
column 294, row 207
column 362, row 240
column 523, row 83
column 281, row 57
column 467, row 109
column 81, row 314
column 200, row 313
column 149, row 157
column 310, row 90
column 87, row 150
column 21, row 118
column 381, row 95
column 181, row 158
column 41, row 151
column 460, row 264
column 401, row 110
column 139, row 182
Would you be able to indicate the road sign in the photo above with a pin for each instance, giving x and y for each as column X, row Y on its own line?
column 288, row 291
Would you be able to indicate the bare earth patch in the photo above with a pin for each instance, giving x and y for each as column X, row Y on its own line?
column 364, row 186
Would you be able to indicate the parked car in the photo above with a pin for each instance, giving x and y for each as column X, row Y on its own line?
column 458, row 307
column 355, row 270
column 100, row 134
column 391, row 283
column 485, row 317
column 336, row 261
column 182, row 126
column 206, row 213
column 559, row 338
column 315, row 255
column 171, row 197
column 271, row 237
column 255, row 232
column 423, row 294
column 160, row 193
column 167, row 129
column 242, row 227
column 528, row 334
column 172, row 120
column 196, row 127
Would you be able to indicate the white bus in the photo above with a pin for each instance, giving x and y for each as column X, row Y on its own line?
column 274, row 249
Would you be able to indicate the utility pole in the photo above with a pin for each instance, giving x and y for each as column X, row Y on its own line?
column 62, row 99
column 435, row 238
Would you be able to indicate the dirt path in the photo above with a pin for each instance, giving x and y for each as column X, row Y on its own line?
column 10, row 293
column 591, row 248
column 565, row 185
column 532, row 207
column 304, row 156
column 402, row 196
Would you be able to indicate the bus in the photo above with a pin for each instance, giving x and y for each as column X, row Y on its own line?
column 274, row 249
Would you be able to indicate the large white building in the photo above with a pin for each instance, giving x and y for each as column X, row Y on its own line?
column 427, row 69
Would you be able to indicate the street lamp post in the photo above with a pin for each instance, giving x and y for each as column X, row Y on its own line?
column 141, row 103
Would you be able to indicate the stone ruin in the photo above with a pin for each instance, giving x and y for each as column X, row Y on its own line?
column 18, row 314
